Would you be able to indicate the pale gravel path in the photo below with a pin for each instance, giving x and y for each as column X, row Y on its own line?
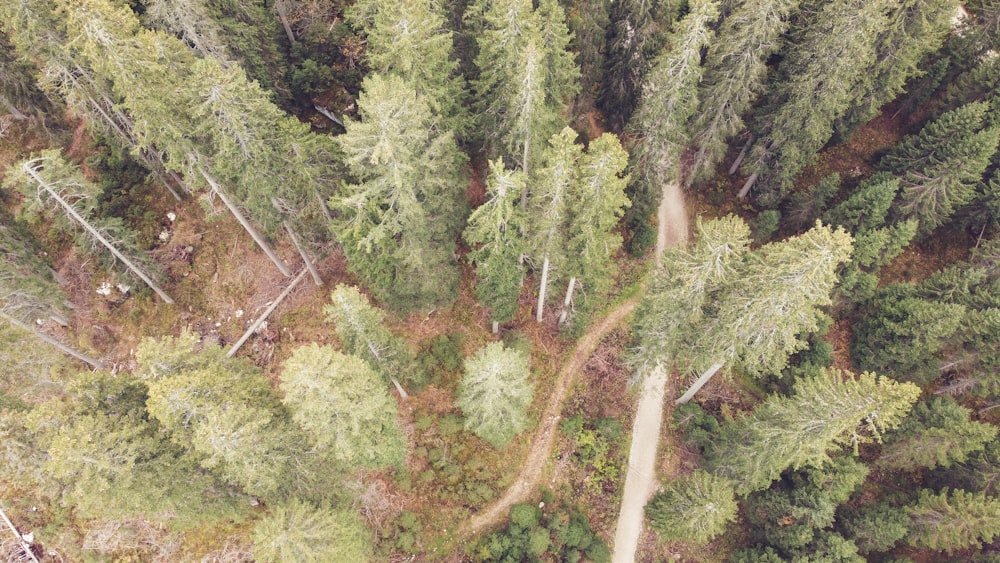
column 640, row 478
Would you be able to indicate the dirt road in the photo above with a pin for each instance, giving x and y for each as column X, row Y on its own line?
column 640, row 478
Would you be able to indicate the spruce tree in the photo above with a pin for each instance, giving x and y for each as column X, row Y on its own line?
column 496, row 231
column 835, row 48
column 495, row 393
column 399, row 222
column 694, row 509
column 953, row 520
column 669, row 98
column 735, row 76
column 940, row 166
column 826, row 412
column 299, row 531
column 936, row 433
column 343, row 406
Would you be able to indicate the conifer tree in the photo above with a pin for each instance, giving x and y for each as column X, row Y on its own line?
column 28, row 291
column 940, row 166
column 694, row 509
column 669, row 99
column 343, row 406
column 399, row 223
column 953, row 520
column 299, row 531
column 735, row 75
column 361, row 330
column 526, row 78
column 495, row 393
column 836, row 46
column 826, row 412
column 936, row 433
column 190, row 20
column 499, row 227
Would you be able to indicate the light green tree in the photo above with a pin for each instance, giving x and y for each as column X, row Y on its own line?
column 495, row 393
column 496, row 231
column 953, row 520
column 360, row 328
column 399, row 223
column 695, row 508
column 344, row 406
column 936, row 433
column 825, row 413
column 297, row 531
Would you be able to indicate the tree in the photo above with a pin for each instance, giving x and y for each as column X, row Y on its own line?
column 526, row 77
column 831, row 410
column 550, row 208
column 48, row 179
column 410, row 39
column 669, row 99
column 361, row 330
column 764, row 309
column 940, row 166
column 818, row 76
column 734, row 76
column 937, row 432
column 496, row 231
column 595, row 207
column 398, row 224
column 953, row 520
column 298, row 531
column 495, row 394
column 875, row 527
column 28, row 291
column 866, row 207
column 694, row 509
column 343, row 405
column 191, row 20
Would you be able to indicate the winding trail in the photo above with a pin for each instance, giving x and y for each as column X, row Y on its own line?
column 640, row 479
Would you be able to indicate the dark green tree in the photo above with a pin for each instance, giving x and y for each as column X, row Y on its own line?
column 694, row 509
column 953, row 520
column 935, row 433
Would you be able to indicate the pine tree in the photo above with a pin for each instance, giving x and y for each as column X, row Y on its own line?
column 953, row 520
column 526, row 78
column 399, row 223
column 361, row 330
column 669, row 99
column 936, row 433
column 875, row 527
column 299, row 531
column 498, row 226
column 190, row 20
column 940, row 166
column 495, row 393
column 866, row 207
column 344, row 406
column 735, row 75
column 818, row 77
column 693, row 509
column 826, row 412
column 806, row 206
column 28, row 291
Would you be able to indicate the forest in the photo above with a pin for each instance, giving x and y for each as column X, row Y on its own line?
column 505, row 280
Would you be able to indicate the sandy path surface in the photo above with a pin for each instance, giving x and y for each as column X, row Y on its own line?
column 640, row 478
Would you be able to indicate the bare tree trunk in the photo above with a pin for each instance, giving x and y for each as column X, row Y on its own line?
column 302, row 252
column 279, row 6
column 569, row 299
column 524, row 167
column 25, row 546
column 246, row 225
column 12, row 109
column 747, row 185
column 328, row 114
column 402, row 392
column 742, row 155
column 496, row 327
column 274, row 305
column 95, row 233
column 97, row 364
column 699, row 383
column 541, row 290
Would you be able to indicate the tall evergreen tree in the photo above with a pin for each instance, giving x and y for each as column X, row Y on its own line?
column 399, row 223
column 694, row 509
column 495, row 393
column 735, row 75
column 940, row 166
column 826, row 412
column 499, row 227
column 343, row 406
column 299, row 531
column 953, row 520
column 526, row 78
column 669, row 99
column 937, row 432
column 836, row 47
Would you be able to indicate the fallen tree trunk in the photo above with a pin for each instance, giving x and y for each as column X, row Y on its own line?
column 256, row 325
